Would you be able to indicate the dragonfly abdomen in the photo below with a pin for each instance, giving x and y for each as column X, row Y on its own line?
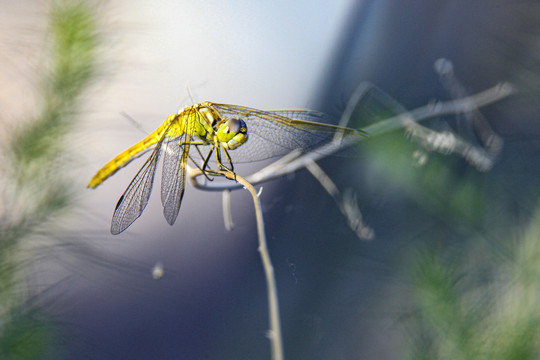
column 131, row 153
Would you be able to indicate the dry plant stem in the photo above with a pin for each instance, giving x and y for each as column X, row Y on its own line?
column 296, row 160
column 352, row 215
column 227, row 214
column 273, row 305
column 469, row 103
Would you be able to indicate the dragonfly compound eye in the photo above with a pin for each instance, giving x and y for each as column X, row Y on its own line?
column 232, row 133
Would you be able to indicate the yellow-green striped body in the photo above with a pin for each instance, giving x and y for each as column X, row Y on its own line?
column 196, row 120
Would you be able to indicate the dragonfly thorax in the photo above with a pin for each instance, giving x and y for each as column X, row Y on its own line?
column 203, row 122
column 232, row 133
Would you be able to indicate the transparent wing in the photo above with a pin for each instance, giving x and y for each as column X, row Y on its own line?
column 276, row 133
column 174, row 176
column 133, row 201
column 304, row 115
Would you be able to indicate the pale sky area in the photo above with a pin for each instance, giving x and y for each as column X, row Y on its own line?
column 268, row 55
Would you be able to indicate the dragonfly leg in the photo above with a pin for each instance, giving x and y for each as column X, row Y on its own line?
column 197, row 165
column 230, row 162
column 223, row 167
column 193, row 143
column 218, row 146
column 207, row 159
column 196, row 143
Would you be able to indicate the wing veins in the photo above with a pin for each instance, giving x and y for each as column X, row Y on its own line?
column 174, row 172
column 133, row 201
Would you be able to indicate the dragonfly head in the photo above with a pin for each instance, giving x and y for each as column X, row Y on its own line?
column 232, row 133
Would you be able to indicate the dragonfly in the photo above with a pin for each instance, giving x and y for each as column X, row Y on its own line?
column 221, row 134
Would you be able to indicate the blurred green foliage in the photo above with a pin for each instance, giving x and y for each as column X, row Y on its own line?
column 438, row 185
column 71, row 69
column 27, row 337
column 472, row 292
column 37, row 190
column 480, row 305
column 471, row 270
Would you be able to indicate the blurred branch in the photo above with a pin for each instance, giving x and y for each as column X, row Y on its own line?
column 445, row 142
column 295, row 161
column 347, row 203
column 474, row 119
column 478, row 305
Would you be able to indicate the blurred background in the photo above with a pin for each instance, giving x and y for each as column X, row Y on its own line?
column 451, row 273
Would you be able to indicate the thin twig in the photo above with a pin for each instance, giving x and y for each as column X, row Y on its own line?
column 405, row 119
column 445, row 142
column 346, row 204
column 274, row 334
column 226, row 205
